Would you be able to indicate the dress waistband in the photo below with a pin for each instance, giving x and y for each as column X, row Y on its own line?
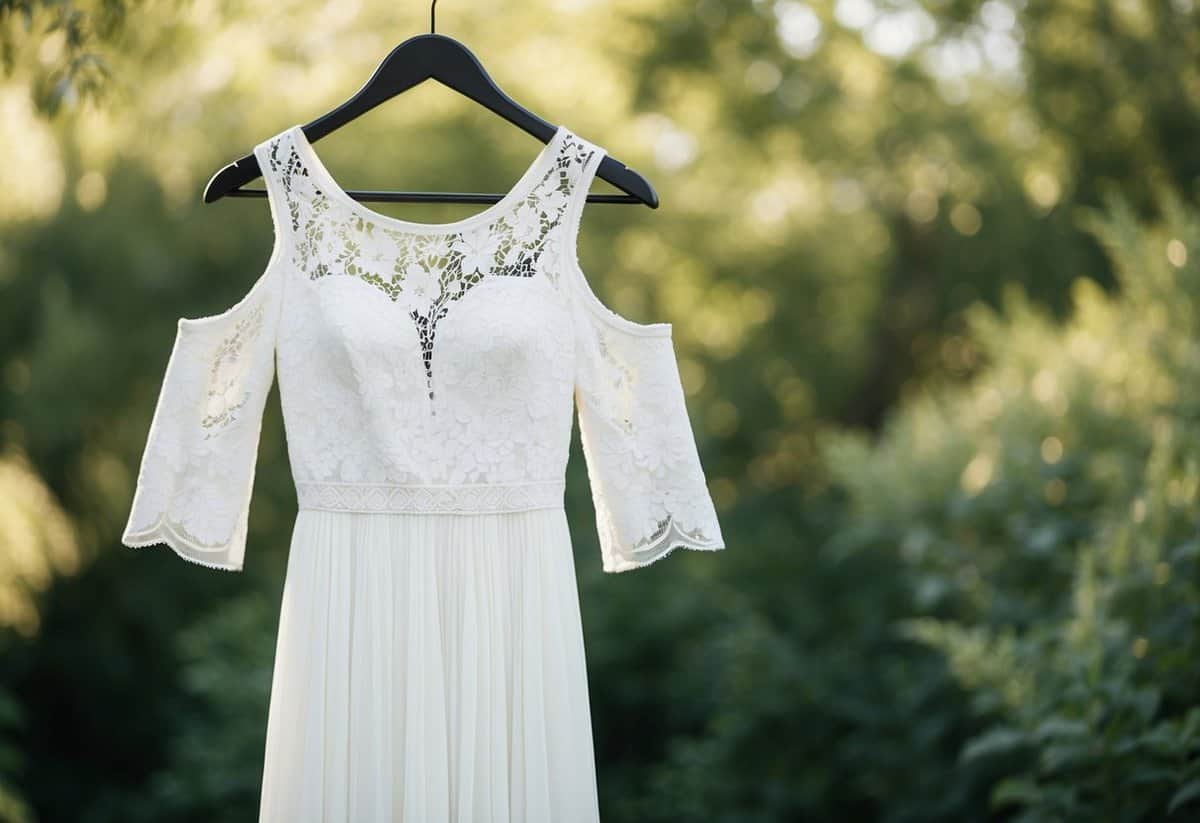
column 477, row 498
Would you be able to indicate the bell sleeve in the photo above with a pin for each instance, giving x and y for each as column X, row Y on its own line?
column 648, row 487
column 197, row 470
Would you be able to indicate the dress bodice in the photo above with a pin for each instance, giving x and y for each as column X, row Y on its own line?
column 424, row 368
column 445, row 354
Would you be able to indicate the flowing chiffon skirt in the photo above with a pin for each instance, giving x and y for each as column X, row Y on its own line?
column 429, row 668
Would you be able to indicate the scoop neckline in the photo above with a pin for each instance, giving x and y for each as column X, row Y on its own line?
column 312, row 160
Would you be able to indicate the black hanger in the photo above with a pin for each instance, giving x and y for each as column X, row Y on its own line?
column 449, row 62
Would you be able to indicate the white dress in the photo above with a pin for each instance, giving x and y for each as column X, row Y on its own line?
column 429, row 664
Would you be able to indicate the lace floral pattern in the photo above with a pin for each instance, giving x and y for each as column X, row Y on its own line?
column 227, row 392
column 425, row 369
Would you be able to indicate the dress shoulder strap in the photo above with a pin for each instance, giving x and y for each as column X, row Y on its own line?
column 285, row 176
column 579, row 159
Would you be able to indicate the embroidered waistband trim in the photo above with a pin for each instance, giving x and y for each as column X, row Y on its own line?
column 478, row 498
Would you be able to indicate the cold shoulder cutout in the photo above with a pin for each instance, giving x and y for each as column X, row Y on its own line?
column 648, row 488
column 197, row 470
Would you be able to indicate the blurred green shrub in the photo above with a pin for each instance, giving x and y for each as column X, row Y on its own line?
column 1046, row 514
column 214, row 765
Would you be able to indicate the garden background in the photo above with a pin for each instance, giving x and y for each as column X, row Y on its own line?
column 933, row 270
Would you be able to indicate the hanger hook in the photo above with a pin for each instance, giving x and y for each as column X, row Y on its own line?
column 432, row 9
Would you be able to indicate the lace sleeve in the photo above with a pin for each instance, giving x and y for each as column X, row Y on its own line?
column 197, row 470
column 648, row 487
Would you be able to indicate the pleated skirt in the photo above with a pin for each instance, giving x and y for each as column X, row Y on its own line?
column 429, row 668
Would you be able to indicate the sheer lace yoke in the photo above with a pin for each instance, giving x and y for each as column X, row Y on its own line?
column 316, row 166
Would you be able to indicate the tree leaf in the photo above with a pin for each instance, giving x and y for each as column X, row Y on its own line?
column 1186, row 794
column 1000, row 740
column 1015, row 790
column 1059, row 726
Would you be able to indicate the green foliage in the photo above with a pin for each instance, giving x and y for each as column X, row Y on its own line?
column 73, row 37
column 1046, row 512
column 211, row 770
column 13, row 808
column 980, row 605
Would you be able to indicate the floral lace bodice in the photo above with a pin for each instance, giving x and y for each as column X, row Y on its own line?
column 424, row 368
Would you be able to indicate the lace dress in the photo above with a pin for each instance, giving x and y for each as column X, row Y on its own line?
column 429, row 663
